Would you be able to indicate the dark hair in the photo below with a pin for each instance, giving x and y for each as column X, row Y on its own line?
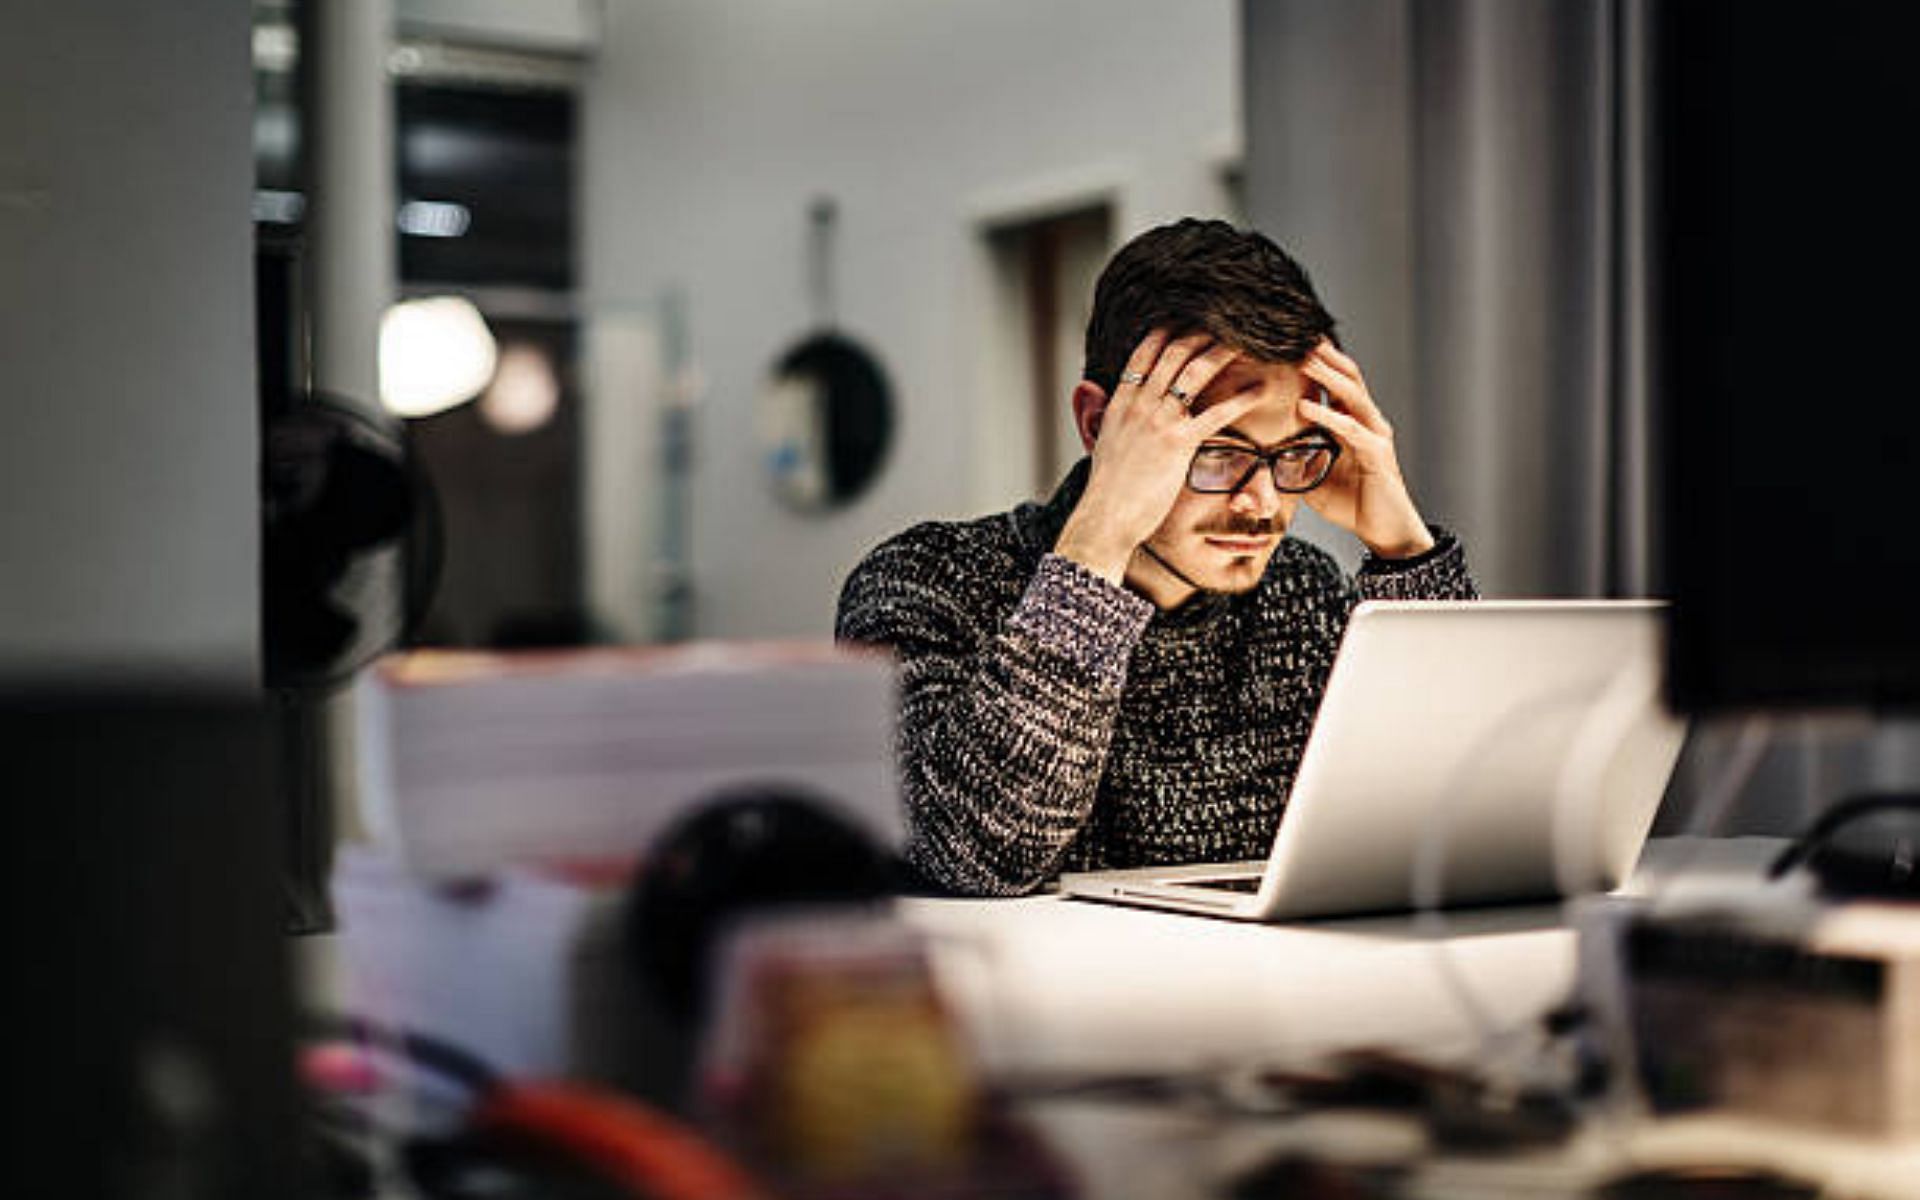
column 1198, row 276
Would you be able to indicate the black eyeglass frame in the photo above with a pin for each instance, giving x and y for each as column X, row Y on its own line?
column 1270, row 459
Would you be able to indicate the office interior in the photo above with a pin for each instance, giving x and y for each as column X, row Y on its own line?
column 210, row 212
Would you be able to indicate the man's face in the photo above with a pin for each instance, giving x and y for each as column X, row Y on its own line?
column 1223, row 541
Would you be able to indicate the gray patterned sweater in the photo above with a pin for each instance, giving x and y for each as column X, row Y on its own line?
column 1052, row 721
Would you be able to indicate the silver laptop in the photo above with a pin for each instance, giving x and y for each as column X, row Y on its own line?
column 1465, row 752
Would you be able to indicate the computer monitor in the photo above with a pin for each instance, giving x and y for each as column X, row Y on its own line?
column 1788, row 356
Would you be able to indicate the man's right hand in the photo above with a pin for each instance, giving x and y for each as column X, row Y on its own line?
column 1146, row 437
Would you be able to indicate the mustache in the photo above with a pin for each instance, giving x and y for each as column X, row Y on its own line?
column 1237, row 525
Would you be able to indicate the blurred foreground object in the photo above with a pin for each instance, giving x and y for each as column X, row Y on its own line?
column 834, row 1065
column 745, row 968
column 473, row 760
column 154, row 973
column 650, row 1154
column 498, row 1137
column 1810, row 1017
column 740, row 855
column 517, row 968
column 595, row 967
column 833, row 1054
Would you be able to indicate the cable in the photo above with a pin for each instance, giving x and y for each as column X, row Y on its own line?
column 445, row 1059
column 1816, row 835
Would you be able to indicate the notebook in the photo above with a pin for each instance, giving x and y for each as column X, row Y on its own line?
column 1465, row 752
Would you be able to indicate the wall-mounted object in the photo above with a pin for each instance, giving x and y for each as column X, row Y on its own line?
column 826, row 413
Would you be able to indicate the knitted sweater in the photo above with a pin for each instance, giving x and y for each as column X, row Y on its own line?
column 1052, row 721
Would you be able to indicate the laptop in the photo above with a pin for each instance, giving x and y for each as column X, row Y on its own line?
column 1465, row 752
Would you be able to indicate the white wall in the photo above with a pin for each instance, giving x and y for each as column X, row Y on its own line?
column 708, row 128
column 129, row 519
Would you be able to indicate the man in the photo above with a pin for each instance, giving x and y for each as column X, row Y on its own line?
column 1125, row 674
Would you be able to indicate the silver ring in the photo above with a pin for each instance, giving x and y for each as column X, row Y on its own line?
column 1184, row 397
column 1134, row 377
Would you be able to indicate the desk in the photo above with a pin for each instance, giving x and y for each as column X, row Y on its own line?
column 1049, row 984
column 1046, row 984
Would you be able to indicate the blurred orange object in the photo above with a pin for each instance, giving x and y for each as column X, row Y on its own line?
column 635, row 1145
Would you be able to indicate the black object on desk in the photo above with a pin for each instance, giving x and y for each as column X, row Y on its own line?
column 741, row 853
column 476, row 1168
column 1863, row 847
column 1706, row 1183
column 1299, row 1177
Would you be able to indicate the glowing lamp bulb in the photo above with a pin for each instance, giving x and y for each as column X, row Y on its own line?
column 434, row 354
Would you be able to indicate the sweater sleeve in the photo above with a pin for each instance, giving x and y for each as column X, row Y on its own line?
column 1004, row 723
column 1439, row 574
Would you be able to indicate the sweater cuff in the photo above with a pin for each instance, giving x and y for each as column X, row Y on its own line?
column 1439, row 573
column 1080, row 615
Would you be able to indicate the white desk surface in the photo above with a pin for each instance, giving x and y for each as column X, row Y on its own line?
column 1050, row 984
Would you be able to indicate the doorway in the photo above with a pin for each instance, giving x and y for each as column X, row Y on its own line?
column 1043, row 271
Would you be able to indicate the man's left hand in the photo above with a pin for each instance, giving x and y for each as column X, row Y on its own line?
column 1365, row 494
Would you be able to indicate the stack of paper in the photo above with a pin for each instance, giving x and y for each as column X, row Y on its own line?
column 469, row 761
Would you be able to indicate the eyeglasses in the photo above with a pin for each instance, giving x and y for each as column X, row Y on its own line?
column 1297, row 466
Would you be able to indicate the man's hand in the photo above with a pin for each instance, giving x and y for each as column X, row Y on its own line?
column 1365, row 494
column 1146, row 439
